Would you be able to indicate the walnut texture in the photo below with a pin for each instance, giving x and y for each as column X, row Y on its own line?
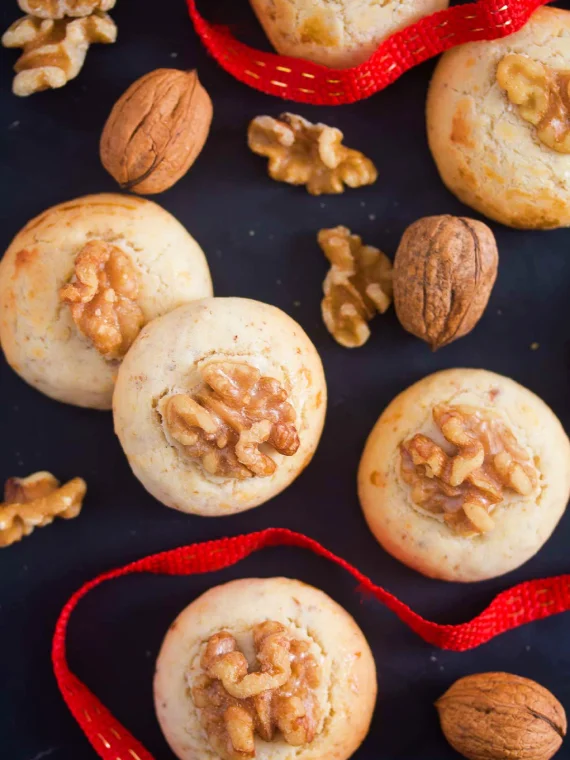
column 466, row 484
column 313, row 155
column 54, row 51
column 156, row 130
column 358, row 284
column 444, row 271
column 492, row 716
column 102, row 297
column 229, row 418
column 236, row 704
column 58, row 9
column 542, row 97
column 36, row 501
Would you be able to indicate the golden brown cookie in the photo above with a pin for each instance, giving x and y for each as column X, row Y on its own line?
column 465, row 475
column 268, row 668
column 498, row 123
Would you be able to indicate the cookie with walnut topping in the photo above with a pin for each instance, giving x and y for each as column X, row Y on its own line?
column 268, row 668
column 498, row 123
column 79, row 281
column 465, row 475
column 219, row 405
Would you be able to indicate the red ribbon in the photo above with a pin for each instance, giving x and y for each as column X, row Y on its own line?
column 307, row 82
column 521, row 604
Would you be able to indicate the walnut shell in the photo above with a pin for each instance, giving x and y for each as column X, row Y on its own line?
column 156, row 130
column 496, row 716
column 444, row 271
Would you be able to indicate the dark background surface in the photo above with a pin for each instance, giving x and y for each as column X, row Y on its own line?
column 259, row 237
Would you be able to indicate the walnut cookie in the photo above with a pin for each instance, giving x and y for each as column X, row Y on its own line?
column 220, row 405
column 498, row 119
column 78, row 282
column 465, row 475
column 271, row 669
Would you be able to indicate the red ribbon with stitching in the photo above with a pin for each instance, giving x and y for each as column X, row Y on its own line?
column 521, row 604
column 307, row 82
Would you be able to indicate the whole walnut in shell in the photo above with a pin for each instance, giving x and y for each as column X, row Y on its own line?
column 444, row 272
column 496, row 716
column 156, row 131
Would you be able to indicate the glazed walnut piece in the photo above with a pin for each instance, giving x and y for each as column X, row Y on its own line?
column 58, row 9
column 229, row 417
column 542, row 95
column 301, row 153
column 235, row 704
column 465, row 485
column 102, row 297
column 358, row 285
column 54, row 51
column 36, row 501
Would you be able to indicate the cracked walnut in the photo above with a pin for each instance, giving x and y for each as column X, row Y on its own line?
column 102, row 297
column 301, row 153
column 542, row 97
column 465, row 478
column 58, row 9
column 36, row 501
column 358, row 284
column 235, row 703
column 226, row 421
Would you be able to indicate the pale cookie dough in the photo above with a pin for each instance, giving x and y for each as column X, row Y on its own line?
column 337, row 33
column 486, row 153
column 169, row 361
column 345, row 694
column 39, row 336
column 519, row 525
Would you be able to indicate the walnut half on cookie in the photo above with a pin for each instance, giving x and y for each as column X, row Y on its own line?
column 220, row 405
column 262, row 668
column 465, row 475
column 301, row 153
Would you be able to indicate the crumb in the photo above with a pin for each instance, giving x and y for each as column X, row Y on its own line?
column 14, row 125
column 323, row 205
column 279, row 282
column 499, row 313
column 148, row 653
column 372, row 217
column 252, row 233
column 363, row 204
column 441, row 668
column 527, row 648
column 174, row 55
column 296, row 303
column 534, row 346
column 433, row 658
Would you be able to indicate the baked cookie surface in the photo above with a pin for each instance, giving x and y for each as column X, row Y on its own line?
column 488, row 105
column 220, row 405
column 337, row 33
column 465, row 475
column 329, row 695
column 78, row 282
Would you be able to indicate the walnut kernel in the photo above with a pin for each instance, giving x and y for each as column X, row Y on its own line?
column 54, row 51
column 542, row 95
column 102, row 297
column 301, row 153
column 58, row 9
column 36, row 501
column 229, row 417
column 466, row 484
column 235, row 703
column 358, row 284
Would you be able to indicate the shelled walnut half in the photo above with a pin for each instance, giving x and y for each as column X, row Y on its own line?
column 102, row 297
column 301, row 153
column 358, row 284
column 466, row 478
column 54, row 51
column 235, row 702
column 36, row 501
column 227, row 420
column 57, row 9
column 542, row 95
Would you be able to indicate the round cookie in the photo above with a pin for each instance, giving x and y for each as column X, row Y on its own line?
column 77, row 283
column 341, row 33
column 220, row 405
column 465, row 475
column 494, row 147
column 329, row 663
